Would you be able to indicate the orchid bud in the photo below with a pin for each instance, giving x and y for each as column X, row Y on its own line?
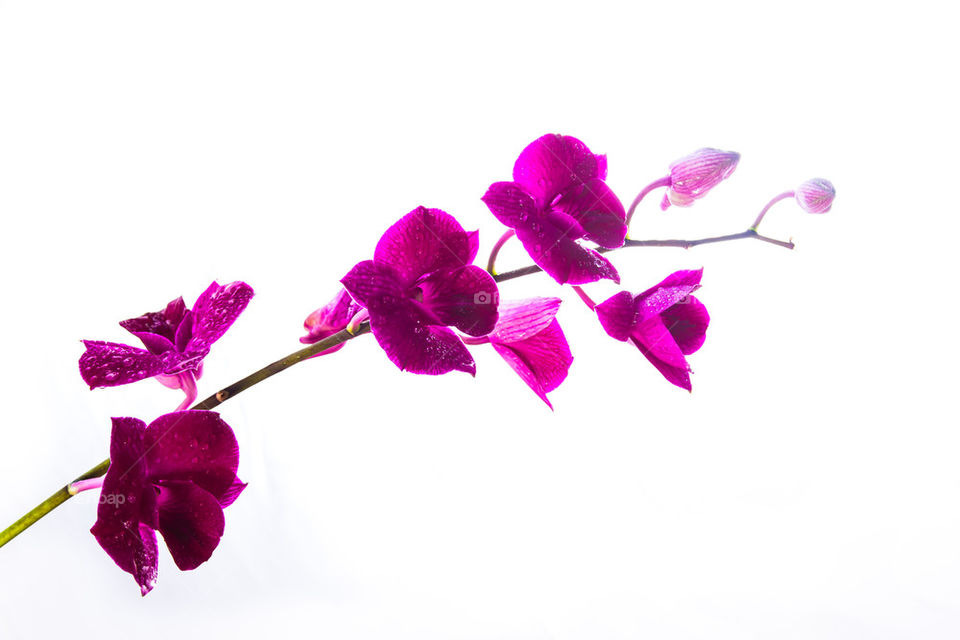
column 816, row 196
column 692, row 176
column 330, row 319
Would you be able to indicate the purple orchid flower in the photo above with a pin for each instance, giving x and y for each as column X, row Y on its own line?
column 419, row 283
column 329, row 319
column 176, row 341
column 558, row 196
column 174, row 476
column 530, row 339
column 693, row 176
column 816, row 195
column 665, row 322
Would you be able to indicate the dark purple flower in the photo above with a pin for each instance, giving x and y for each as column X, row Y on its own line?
column 174, row 476
column 530, row 339
column 665, row 322
column 329, row 319
column 693, row 176
column 558, row 196
column 176, row 340
column 816, row 195
column 419, row 283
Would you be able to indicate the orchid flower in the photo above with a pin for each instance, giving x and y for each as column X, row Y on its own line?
column 665, row 322
column 174, row 476
column 420, row 282
column 558, row 196
column 176, row 341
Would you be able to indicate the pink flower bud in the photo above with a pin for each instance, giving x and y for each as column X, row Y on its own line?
column 692, row 176
column 816, row 196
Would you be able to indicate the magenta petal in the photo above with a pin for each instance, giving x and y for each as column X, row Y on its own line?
column 331, row 318
column 563, row 258
column 423, row 241
column 511, row 204
column 598, row 210
column 679, row 376
column 372, row 285
column 670, row 291
column 656, row 339
column 162, row 323
column 185, row 332
column 122, row 506
column 413, row 345
column 133, row 547
column 618, row 315
column 191, row 522
column 232, row 493
column 108, row 364
column 154, row 342
column 552, row 163
column 542, row 360
column 465, row 299
column 215, row 310
column 522, row 319
column 473, row 245
column 687, row 322
column 195, row 446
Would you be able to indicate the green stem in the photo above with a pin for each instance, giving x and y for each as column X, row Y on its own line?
column 63, row 494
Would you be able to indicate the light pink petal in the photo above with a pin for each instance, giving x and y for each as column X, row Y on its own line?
column 542, row 360
column 521, row 319
column 670, row 291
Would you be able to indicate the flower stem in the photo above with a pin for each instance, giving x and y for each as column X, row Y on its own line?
column 587, row 300
column 64, row 493
column 662, row 182
column 683, row 244
column 776, row 199
column 492, row 260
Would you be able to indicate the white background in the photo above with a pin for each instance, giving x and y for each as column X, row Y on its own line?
column 809, row 486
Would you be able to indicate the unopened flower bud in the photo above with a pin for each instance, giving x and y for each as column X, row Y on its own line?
column 816, row 196
column 692, row 176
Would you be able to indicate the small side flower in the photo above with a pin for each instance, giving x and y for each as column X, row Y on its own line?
column 665, row 322
column 177, row 340
column 329, row 319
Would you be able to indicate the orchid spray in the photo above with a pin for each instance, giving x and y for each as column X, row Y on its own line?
column 427, row 304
